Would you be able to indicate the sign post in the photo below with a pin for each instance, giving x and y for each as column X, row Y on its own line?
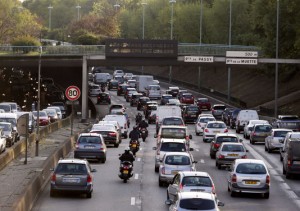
column 22, row 127
column 72, row 93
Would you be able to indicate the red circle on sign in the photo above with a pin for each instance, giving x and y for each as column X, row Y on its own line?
column 72, row 93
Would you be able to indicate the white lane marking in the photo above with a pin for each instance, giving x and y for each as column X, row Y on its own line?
column 139, row 159
column 277, row 178
column 202, row 161
column 285, row 186
column 197, row 150
column 292, row 195
column 258, row 156
column 132, row 201
column 136, row 176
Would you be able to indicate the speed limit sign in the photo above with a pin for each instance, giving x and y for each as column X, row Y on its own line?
column 72, row 93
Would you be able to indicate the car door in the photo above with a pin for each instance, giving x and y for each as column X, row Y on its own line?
column 173, row 188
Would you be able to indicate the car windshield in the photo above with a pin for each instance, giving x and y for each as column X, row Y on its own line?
column 177, row 160
column 173, row 133
column 290, row 125
column 251, row 168
column 89, row 140
column 196, row 181
column 197, row 204
column 216, row 125
column 233, row 148
column 280, row 133
column 6, row 108
column 172, row 147
column 226, row 139
column 70, row 168
column 172, row 121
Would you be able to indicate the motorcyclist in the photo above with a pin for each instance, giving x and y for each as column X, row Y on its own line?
column 138, row 118
column 127, row 156
column 134, row 134
column 144, row 124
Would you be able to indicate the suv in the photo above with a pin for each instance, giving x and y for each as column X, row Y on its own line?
column 90, row 146
column 72, row 175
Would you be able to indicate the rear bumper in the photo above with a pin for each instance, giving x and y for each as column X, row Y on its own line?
column 236, row 188
column 89, row 154
column 77, row 189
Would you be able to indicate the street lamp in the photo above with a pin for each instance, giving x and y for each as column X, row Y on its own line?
column 117, row 6
column 38, row 104
column 78, row 7
column 229, row 43
column 50, row 8
column 144, row 4
column 200, row 42
column 172, row 2
column 276, row 67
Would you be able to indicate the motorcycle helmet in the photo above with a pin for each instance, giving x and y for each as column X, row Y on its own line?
column 127, row 149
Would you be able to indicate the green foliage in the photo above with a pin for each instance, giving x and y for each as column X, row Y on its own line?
column 25, row 41
column 88, row 39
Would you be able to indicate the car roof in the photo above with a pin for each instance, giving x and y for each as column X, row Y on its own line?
column 178, row 153
column 232, row 143
column 238, row 161
column 172, row 140
column 215, row 122
column 90, row 134
column 200, row 195
column 173, row 126
column 226, row 134
column 282, row 129
column 73, row 160
column 194, row 173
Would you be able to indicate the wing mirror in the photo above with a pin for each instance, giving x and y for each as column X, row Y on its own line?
column 168, row 202
column 190, row 137
column 154, row 148
column 155, row 135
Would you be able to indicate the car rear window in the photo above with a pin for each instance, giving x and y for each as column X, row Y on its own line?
column 219, row 107
column 177, row 160
column 226, row 139
column 71, row 168
column 192, row 108
column 173, row 133
column 197, row 204
column 204, row 100
column 216, row 125
column 196, row 181
column 280, row 133
column 233, row 148
column 263, row 128
column 89, row 140
column 251, row 168
column 205, row 120
column 172, row 121
column 172, row 147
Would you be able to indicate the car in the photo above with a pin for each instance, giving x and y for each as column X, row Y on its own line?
column 113, row 84
column 260, row 132
column 51, row 114
column 191, row 113
column 43, row 118
column 190, row 181
column 129, row 96
column 134, row 98
column 186, row 201
column 150, row 106
column 232, row 117
column 173, row 102
column 228, row 152
column 7, row 133
column 203, row 103
column 169, row 145
column 132, row 83
column 121, row 119
column 152, row 117
column 115, row 123
column 217, row 110
column 288, row 137
column 173, row 132
column 221, row 138
column 173, row 90
column 58, row 111
column 118, row 72
column 142, row 103
column 180, row 92
column 129, row 90
column 104, row 97
column 90, row 146
column 172, row 163
column 201, row 122
column 2, row 141
column 108, row 132
column 72, row 175
column 226, row 114
column 290, row 154
column 153, row 91
column 122, row 88
column 249, row 127
column 212, row 128
column 119, row 78
column 94, row 90
column 249, row 176
column 127, row 76
column 243, row 117
column 187, row 98
column 117, row 106
column 287, row 122
column 62, row 108
column 165, row 99
column 272, row 142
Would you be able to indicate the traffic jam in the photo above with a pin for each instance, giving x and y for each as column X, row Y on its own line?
column 192, row 151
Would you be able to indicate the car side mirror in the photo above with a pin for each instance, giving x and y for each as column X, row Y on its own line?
column 247, row 150
column 93, row 170
column 190, row 137
column 241, row 140
column 168, row 202
column 155, row 135
column 154, row 148
column 191, row 149
column 221, row 204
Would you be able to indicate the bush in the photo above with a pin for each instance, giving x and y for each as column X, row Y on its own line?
column 23, row 42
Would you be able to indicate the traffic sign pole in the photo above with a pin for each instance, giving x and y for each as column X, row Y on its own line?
column 72, row 93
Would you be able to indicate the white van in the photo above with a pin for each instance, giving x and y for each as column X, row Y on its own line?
column 121, row 119
column 153, row 92
column 243, row 118
column 101, row 78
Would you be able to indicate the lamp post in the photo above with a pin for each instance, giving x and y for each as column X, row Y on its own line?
column 143, row 27
column 78, row 7
column 38, row 104
column 229, row 43
column 172, row 2
column 276, row 67
column 200, row 43
column 117, row 6
column 50, row 8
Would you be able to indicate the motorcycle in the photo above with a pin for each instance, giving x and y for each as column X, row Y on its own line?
column 134, row 146
column 138, row 119
column 125, row 171
column 102, row 88
column 144, row 133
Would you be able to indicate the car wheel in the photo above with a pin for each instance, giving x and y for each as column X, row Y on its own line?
column 212, row 156
column 269, row 150
column 281, row 158
column 288, row 175
column 197, row 134
column 168, row 197
column 237, row 131
column 232, row 193
column 266, row 149
column 283, row 170
column 204, row 140
column 216, row 163
column 228, row 189
column 156, row 169
column 89, row 195
column 219, row 166
column 116, row 145
column 266, row 195
column 160, row 183
column 52, row 193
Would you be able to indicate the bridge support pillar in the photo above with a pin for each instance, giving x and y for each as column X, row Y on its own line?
column 84, row 98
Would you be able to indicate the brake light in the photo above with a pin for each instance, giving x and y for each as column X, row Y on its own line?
column 289, row 162
column 89, row 178
column 163, row 170
column 268, row 179
column 221, row 156
column 244, row 157
column 254, row 134
column 226, row 131
column 180, row 186
column 76, row 146
column 206, row 130
column 185, row 114
column 53, row 177
column 216, row 146
column 112, row 134
column 233, row 178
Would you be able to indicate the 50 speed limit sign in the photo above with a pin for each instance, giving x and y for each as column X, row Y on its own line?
column 72, row 93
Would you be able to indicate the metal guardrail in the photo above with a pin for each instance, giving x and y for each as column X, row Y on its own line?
column 80, row 50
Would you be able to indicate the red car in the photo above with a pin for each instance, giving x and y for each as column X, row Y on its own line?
column 187, row 98
column 43, row 118
column 203, row 104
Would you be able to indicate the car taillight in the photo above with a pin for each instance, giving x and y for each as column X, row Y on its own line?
column 126, row 167
column 89, row 178
column 221, row 156
column 185, row 114
column 212, row 110
column 254, row 134
column 289, row 162
column 112, row 134
column 233, row 178
column 53, row 177
column 213, row 190
column 216, row 146
column 268, row 180
column 206, row 131
column 244, row 157
column 163, row 170
column 226, row 131
column 125, row 126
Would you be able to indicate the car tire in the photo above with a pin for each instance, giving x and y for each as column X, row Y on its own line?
column 156, row 169
column 266, row 195
column 237, row 131
column 160, row 183
column 219, row 166
column 103, row 160
column 212, row 156
column 204, row 140
column 232, row 193
column 283, row 170
column 116, row 145
column 281, row 158
column 266, row 149
column 168, row 197
column 269, row 150
column 228, row 189
column 52, row 193
column 288, row 175
column 89, row 195
column 197, row 134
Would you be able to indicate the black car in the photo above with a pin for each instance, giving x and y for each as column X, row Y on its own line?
column 226, row 114
column 232, row 117
column 134, row 98
column 148, row 108
column 122, row 88
column 165, row 99
column 113, row 84
column 191, row 113
column 142, row 102
column 103, row 97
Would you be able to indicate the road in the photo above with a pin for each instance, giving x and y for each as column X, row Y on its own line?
column 143, row 193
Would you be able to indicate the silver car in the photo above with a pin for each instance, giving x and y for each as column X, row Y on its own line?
column 272, row 142
column 195, row 201
column 190, row 181
column 212, row 128
column 249, row 176
column 72, row 175
column 172, row 163
column 228, row 152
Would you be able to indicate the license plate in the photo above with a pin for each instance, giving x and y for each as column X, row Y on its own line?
column 197, row 190
column 250, row 182
column 125, row 171
column 134, row 145
column 71, row 180
column 296, row 162
column 89, row 147
column 193, row 115
column 233, row 155
column 216, row 131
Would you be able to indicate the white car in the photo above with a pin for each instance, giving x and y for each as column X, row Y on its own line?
column 94, row 90
column 212, row 128
column 121, row 119
column 272, row 142
column 249, row 127
column 201, row 122
column 2, row 141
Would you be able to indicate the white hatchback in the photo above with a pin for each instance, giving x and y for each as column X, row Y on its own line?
column 201, row 122
column 212, row 128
